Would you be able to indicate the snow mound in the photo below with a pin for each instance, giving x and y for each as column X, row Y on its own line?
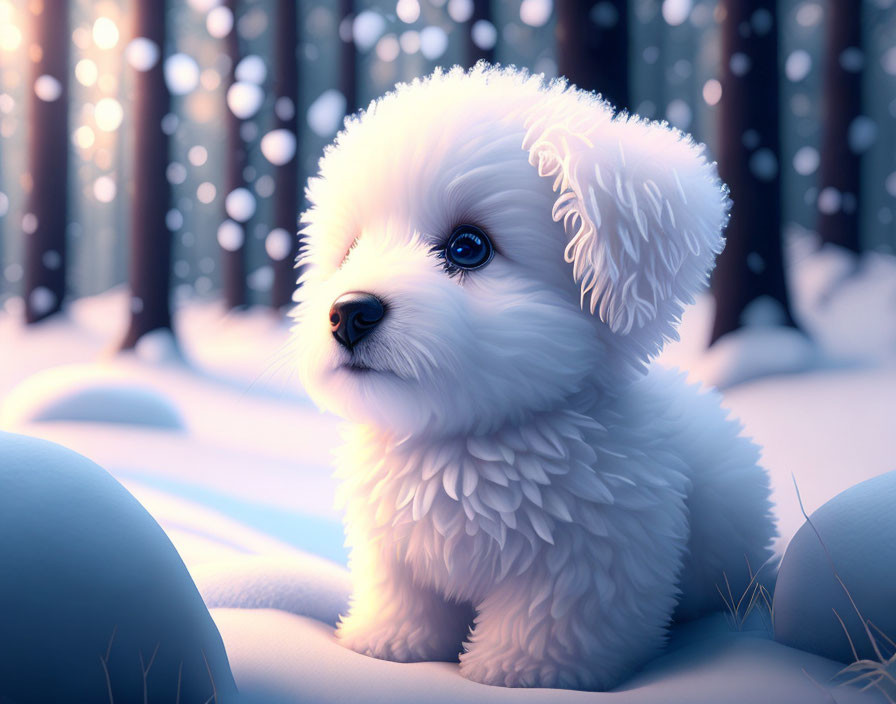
column 753, row 352
column 306, row 586
column 98, row 596
column 845, row 301
column 88, row 393
column 858, row 530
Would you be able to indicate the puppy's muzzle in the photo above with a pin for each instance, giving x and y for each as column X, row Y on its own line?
column 354, row 315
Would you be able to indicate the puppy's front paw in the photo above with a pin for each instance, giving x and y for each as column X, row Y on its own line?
column 399, row 642
column 497, row 669
column 518, row 668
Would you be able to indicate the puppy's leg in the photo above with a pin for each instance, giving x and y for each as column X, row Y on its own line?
column 582, row 627
column 729, row 515
column 392, row 618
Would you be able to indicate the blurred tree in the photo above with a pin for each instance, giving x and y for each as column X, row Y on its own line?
column 841, row 103
column 233, row 256
column 149, row 265
column 348, row 58
column 482, row 12
column 751, row 266
column 592, row 46
column 46, row 205
column 282, row 242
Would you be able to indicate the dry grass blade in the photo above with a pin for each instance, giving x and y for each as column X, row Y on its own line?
column 755, row 595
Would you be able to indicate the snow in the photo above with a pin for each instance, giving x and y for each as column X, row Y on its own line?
column 890, row 184
column 244, row 99
column 29, row 223
column 388, row 48
column 94, row 575
column 326, row 113
column 857, row 538
column 104, row 189
column 739, row 63
column 47, row 88
column 536, row 13
column 204, row 5
column 460, row 10
column 280, row 657
column 368, row 27
column 678, row 112
column 676, row 12
column 862, row 134
column 246, row 496
column 142, row 53
column 42, row 300
column 806, row 160
column 181, row 73
column 108, row 114
column 230, row 235
column 304, row 585
column 251, row 69
column 240, row 204
column 797, row 65
column 484, row 34
column 284, row 108
column 219, row 21
column 754, row 352
column 279, row 146
column 888, row 61
column 408, row 11
column 278, row 244
column 764, row 164
column 87, row 393
column 433, row 42
column 410, row 41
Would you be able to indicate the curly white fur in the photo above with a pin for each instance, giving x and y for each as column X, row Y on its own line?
column 512, row 466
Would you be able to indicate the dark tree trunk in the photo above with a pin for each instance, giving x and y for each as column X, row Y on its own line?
column 286, row 197
column 150, row 253
column 592, row 46
column 348, row 58
column 482, row 10
column 233, row 261
column 749, row 156
column 46, row 208
column 841, row 103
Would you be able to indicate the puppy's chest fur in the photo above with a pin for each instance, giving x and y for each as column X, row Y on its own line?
column 465, row 513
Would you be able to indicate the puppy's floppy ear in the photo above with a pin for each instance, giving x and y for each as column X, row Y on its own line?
column 642, row 208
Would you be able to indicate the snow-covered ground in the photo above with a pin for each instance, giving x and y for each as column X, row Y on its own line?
column 244, row 491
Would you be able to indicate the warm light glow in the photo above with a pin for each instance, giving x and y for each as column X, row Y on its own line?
column 105, row 33
column 86, row 72
column 84, row 137
column 210, row 79
column 10, row 36
column 108, row 83
column 81, row 37
column 108, row 114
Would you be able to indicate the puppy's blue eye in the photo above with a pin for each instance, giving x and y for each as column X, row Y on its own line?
column 469, row 248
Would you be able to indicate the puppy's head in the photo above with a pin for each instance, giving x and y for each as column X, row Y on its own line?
column 482, row 245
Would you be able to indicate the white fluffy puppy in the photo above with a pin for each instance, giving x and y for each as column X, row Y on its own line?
column 490, row 262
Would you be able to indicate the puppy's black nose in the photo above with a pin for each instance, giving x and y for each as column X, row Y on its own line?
column 354, row 315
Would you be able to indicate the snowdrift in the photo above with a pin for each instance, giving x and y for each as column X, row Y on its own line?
column 95, row 603
column 853, row 538
column 88, row 393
